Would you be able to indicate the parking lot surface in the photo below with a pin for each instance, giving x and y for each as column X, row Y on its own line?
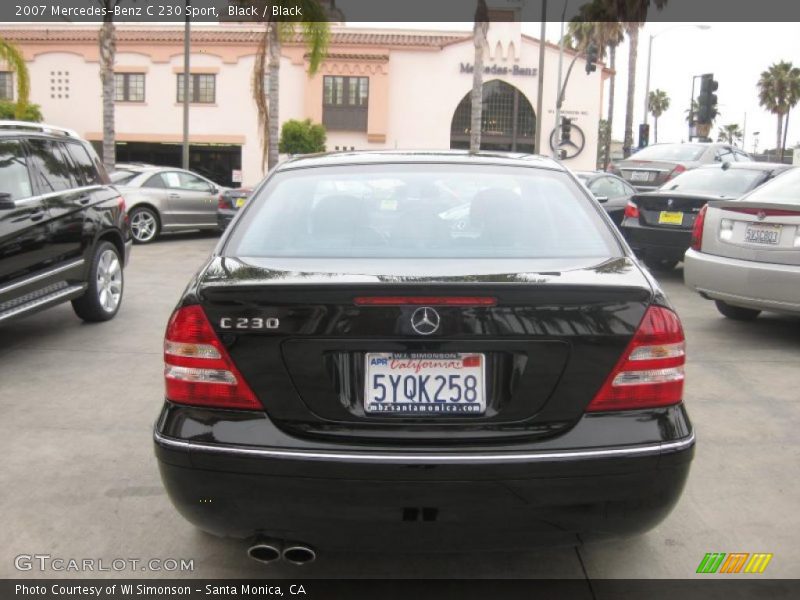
column 79, row 477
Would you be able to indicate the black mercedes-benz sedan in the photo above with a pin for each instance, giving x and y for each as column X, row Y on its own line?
column 422, row 351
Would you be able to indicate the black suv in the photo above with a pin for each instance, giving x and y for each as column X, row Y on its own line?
column 64, row 232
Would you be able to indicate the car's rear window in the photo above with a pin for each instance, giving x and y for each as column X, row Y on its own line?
column 715, row 181
column 424, row 211
column 670, row 152
column 784, row 189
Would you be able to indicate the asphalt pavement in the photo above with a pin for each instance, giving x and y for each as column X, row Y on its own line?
column 79, row 478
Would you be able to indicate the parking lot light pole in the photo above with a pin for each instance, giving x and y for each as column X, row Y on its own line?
column 649, row 57
column 187, row 48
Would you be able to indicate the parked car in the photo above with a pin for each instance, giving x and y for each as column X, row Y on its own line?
column 230, row 201
column 611, row 191
column 345, row 364
column 745, row 254
column 168, row 199
column 658, row 225
column 654, row 165
column 64, row 234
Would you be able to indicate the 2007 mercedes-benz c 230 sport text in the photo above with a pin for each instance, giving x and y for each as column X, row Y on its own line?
column 422, row 351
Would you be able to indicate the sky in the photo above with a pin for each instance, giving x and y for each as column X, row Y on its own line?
column 736, row 53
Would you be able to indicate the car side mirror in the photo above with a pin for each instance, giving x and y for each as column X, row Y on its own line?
column 6, row 202
column 602, row 199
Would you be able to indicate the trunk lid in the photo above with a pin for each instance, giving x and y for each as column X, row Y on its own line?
column 554, row 334
column 670, row 210
column 646, row 174
column 757, row 231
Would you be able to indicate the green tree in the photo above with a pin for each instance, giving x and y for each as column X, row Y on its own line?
column 302, row 137
column 779, row 92
column 597, row 23
column 657, row 104
column 730, row 134
column 32, row 112
column 16, row 62
column 311, row 27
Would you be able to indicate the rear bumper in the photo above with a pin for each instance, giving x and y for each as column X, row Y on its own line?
column 515, row 497
column 762, row 286
column 656, row 242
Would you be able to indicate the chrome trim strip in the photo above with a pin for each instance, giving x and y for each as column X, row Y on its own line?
column 386, row 457
column 41, row 301
column 40, row 276
column 85, row 188
column 648, row 169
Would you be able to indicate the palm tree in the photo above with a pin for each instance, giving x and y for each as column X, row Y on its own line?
column 479, row 31
column 778, row 92
column 598, row 23
column 730, row 134
column 633, row 14
column 16, row 62
column 313, row 29
column 657, row 104
column 107, row 41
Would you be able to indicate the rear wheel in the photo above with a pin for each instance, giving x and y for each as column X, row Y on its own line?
column 104, row 293
column 144, row 225
column 739, row 313
column 660, row 264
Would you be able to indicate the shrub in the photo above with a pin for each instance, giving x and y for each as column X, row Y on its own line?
column 8, row 111
column 301, row 137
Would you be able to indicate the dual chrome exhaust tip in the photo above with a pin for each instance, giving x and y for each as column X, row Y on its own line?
column 269, row 551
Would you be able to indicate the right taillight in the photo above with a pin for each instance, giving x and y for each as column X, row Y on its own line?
column 631, row 210
column 697, row 229
column 650, row 372
column 675, row 172
column 197, row 367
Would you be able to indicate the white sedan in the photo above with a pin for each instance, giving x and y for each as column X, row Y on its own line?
column 745, row 254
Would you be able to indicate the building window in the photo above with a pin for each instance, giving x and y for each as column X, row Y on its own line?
column 6, row 86
column 129, row 87
column 345, row 101
column 202, row 88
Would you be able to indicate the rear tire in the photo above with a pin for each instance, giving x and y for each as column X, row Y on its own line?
column 103, row 297
column 660, row 264
column 145, row 225
column 737, row 313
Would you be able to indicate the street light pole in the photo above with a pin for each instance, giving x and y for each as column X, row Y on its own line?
column 649, row 58
column 557, row 145
column 187, row 43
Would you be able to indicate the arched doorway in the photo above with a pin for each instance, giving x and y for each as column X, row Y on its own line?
column 508, row 121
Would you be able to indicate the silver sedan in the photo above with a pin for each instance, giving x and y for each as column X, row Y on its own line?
column 166, row 199
column 745, row 254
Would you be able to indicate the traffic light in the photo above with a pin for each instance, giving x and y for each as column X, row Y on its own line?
column 707, row 100
column 644, row 135
column 566, row 129
column 591, row 58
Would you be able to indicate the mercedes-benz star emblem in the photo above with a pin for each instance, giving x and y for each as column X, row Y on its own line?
column 425, row 320
column 761, row 215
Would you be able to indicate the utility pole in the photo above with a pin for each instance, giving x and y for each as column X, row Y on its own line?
column 557, row 144
column 187, row 48
column 540, row 83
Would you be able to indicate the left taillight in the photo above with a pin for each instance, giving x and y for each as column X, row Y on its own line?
column 697, row 229
column 222, row 202
column 650, row 372
column 631, row 210
column 197, row 367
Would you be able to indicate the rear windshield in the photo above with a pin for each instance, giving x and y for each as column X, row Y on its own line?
column 425, row 211
column 670, row 152
column 717, row 181
column 784, row 189
column 120, row 177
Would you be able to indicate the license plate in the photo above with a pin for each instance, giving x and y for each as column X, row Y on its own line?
column 762, row 234
column 424, row 384
column 640, row 176
column 670, row 218
column 240, row 202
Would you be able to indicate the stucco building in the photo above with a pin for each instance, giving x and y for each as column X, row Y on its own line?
column 376, row 89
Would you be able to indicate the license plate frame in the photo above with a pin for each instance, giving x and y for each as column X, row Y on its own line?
column 670, row 217
column 771, row 228
column 446, row 387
